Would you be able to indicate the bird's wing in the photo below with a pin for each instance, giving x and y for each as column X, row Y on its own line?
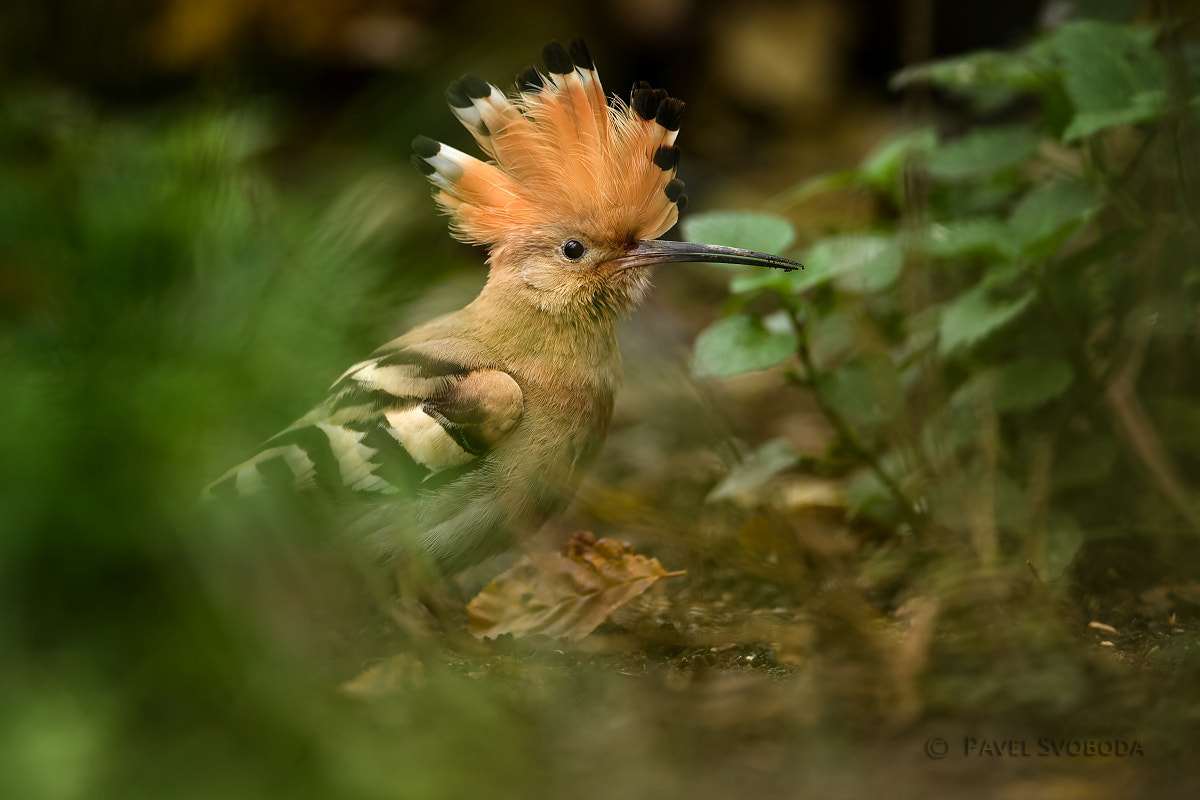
column 389, row 423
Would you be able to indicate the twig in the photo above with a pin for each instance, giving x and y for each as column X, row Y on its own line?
column 1142, row 436
column 843, row 429
column 1037, row 576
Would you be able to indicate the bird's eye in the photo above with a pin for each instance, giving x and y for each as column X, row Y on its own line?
column 573, row 249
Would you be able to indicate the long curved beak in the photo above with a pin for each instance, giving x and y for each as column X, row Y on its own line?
column 646, row 253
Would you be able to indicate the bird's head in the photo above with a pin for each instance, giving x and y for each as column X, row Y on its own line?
column 579, row 187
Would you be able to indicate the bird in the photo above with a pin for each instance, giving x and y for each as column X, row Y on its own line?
column 471, row 431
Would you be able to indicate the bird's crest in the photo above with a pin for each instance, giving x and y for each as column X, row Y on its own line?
column 560, row 149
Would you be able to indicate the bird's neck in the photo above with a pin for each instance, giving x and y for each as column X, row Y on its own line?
column 567, row 343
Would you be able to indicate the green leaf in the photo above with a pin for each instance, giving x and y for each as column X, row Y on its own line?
column 1111, row 74
column 738, row 344
column 1011, row 502
column 861, row 262
column 1063, row 540
column 983, row 152
column 1102, row 249
column 756, row 279
column 752, row 230
column 1029, row 381
column 953, row 427
column 1050, row 213
column 883, row 165
column 1002, row 275
column 982, row 198
column 832, row 337
column 1020, row 385
column 1144, row 107
column 759, row 467
column 868, row 498
column 968, row 237
column 866, row 391
column 988, row 69
column 815, row 187
column 988, row 79
column 974, row 315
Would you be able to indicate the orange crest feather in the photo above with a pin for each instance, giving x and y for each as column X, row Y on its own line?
column 560, row 151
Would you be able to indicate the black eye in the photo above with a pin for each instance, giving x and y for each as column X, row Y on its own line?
column 573, row 249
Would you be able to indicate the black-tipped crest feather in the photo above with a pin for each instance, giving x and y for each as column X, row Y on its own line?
column 558, row 61
column 644, row 101
column 456, row 97
column 580, row 55
column 674, row 190
column 530, row 80
column 475, row 87
column 426, row 147
column 670, row 112
column 666, row 158
column 424, row 166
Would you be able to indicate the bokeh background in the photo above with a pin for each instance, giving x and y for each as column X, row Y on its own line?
column 207, row 212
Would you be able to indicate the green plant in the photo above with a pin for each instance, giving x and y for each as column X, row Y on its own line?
column 1004, row 350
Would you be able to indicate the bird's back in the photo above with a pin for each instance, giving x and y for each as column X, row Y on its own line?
column 454, row 440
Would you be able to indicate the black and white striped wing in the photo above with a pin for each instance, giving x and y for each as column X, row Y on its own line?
column 389, row 423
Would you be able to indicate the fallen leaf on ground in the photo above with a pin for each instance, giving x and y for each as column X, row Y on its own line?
column 389, row 676
column 563, row 595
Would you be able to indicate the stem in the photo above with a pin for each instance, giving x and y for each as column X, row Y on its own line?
column 1115, row 185
column 1178, row 115
column 842, row 427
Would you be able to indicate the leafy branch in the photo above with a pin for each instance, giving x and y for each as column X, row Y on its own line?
column 843, row 428
column 1036, row 245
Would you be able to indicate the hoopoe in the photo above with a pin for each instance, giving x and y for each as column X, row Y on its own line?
column 474, row 429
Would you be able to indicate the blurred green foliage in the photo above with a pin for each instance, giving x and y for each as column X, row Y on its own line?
column 162, row 305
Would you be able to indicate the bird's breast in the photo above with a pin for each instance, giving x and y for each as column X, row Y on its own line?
column 562, row 430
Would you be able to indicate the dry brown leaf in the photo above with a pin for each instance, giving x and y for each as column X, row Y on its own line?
column 389, row 676
column 563, row 595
